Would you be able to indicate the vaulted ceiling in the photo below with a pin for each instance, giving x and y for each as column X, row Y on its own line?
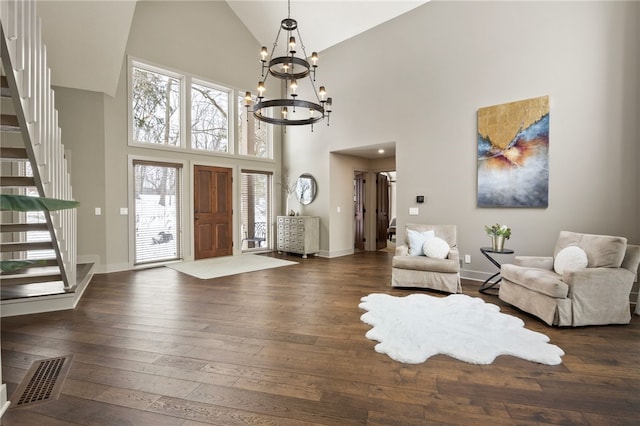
column 86, row 40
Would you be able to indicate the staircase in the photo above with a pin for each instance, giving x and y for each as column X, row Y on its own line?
column 32, row 162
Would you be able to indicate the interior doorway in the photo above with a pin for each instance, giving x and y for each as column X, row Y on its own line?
column 359, row 209
column 374, row 209
column 382, row 210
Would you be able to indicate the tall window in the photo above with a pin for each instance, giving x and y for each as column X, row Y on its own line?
column 255, row 209
column 157, row 205
column 209, row 118
column 174, row 109
column 254, row 138
column 155, row 107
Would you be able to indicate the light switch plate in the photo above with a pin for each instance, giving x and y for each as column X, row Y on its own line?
column 414, row 211
column 124, row 211
column 98, row 211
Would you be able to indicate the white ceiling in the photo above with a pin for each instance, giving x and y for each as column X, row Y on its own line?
column 86, row 40
column 322, row 23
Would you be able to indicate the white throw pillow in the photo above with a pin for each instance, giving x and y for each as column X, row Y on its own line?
column 417, row 239
column 570, row 258
column 436, row 248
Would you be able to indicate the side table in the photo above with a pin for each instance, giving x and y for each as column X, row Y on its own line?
column 487, row 251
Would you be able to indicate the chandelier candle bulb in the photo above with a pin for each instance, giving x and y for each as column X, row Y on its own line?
column 314, row 59
column 263, row 53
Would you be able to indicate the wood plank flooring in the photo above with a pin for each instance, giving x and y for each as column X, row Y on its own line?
column 286, row 346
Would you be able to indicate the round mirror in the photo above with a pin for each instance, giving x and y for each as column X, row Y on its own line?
column 306, row 188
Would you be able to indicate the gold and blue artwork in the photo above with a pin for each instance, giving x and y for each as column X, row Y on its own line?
column 513, row 154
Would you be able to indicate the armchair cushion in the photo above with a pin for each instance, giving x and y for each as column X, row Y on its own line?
column 541, row 262
column 426, row 264
column 541, row 281
column 571, row 257
column 436, row 248
column 602, row 250
column 417, row 239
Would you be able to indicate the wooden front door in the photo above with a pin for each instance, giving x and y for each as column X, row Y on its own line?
column 359, row 210
column 212, row 212
column 382, row 210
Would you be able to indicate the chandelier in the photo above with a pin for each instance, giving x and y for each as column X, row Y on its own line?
column 291, row 69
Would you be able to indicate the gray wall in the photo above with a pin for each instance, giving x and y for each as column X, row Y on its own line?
column 81, row 115
column 204, row 39
column 419, row 80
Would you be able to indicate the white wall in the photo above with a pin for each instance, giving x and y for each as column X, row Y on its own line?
column 420, row 79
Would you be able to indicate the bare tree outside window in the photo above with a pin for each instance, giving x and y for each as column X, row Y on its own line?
column 253, row 137
column 209, row 118
column 155, row 107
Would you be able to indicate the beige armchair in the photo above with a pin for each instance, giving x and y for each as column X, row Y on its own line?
column 587, row 291
column 423, row 271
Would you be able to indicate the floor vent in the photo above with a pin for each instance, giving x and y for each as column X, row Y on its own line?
column 43, row 382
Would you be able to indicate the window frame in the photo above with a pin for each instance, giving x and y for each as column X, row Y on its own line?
column 163, row 71
column 270, row 209
column 231, row 115
column 182, row 207
column 186, row 81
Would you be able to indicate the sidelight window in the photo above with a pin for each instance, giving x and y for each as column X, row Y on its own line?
column 256, row 209
column 157, row 211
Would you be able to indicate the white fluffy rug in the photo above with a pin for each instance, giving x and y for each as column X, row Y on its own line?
column 413, row 328
column 228, row 265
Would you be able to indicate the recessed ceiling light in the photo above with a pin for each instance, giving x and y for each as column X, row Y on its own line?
column 381, row 151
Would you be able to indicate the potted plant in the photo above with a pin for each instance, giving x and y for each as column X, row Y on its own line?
column 498, row 233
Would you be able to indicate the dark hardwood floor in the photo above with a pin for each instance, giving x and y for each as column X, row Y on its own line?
column 286, row 346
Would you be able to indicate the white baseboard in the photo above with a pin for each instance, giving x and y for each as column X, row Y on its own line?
column 337, row 253
column 474, row 275
column 4, row 403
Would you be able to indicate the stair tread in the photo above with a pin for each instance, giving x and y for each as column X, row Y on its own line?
column 30, row 279
column 11, row 153
column 11, row 292
column 9, row 123
column 41, row 267
column 25, row 246
column 4, row 87
column 11, row 181
column 23, row 227
column 52, row 288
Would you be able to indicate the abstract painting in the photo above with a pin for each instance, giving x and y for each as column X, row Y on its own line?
column 513, row 154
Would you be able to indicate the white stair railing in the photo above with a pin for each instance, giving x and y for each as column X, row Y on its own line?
column 25, row 61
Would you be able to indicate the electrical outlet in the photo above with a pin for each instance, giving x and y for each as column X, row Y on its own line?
column 467, row 258
column 413, row 211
